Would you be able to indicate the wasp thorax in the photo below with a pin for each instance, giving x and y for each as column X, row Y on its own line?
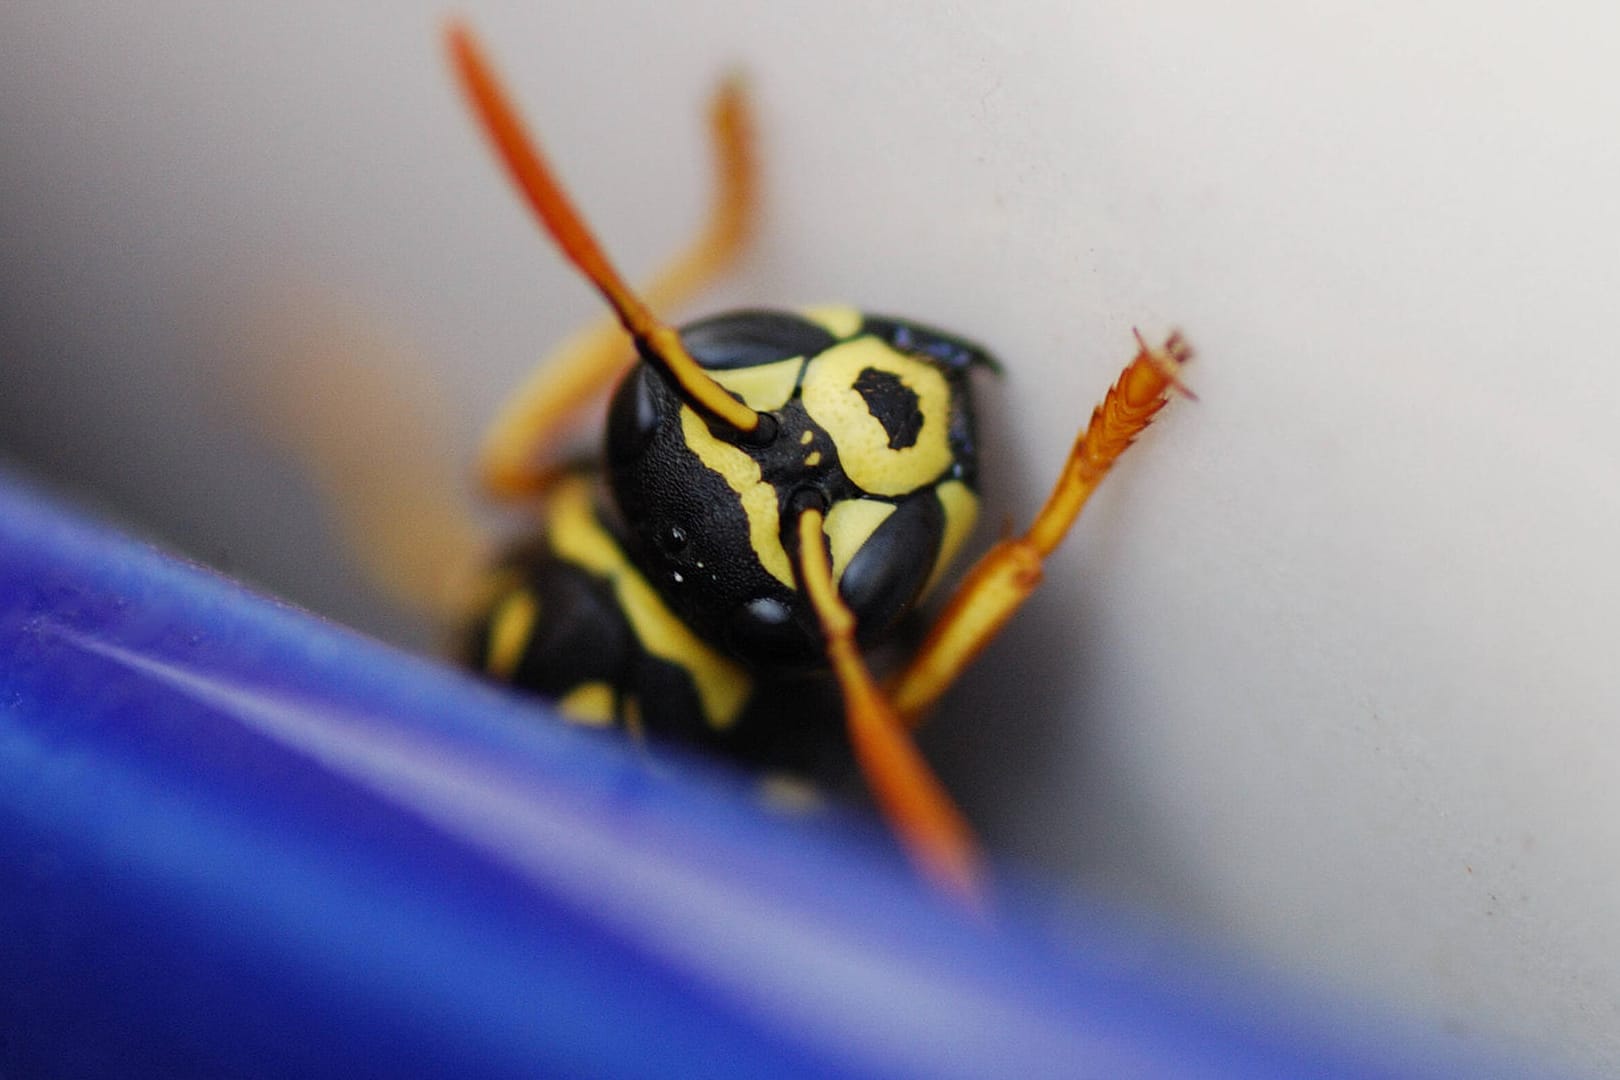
column 878, row 434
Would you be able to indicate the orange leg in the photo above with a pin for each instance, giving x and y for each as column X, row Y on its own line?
column 333, row 388
column 915, row 803
column 1009, row 572
column 512, row 464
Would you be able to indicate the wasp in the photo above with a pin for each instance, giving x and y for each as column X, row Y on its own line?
column 777, row 492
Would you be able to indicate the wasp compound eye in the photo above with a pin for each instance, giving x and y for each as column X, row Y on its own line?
column 637, row 411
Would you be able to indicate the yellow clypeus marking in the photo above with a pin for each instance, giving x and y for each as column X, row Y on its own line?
column 577, row 537
column 839, row 320
column 764, row 387
column 511, row 626
column 741, row 474
column 961, row 507
column 832, row 401
column 589, row 703
column 851, row 523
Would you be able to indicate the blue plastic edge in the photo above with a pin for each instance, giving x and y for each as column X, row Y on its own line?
column 237, row 840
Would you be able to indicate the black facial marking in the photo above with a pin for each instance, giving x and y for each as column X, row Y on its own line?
column 893, row 403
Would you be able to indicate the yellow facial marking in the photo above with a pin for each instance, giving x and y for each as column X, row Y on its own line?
column 590, row 704
column 831, row 399
column 577, row 537
column 807, row 437
column 741, row 474
column 812, row 459
column 839, row 320
column 850, row 523
column 511, row 625
column 961, row 507
column 765, row 387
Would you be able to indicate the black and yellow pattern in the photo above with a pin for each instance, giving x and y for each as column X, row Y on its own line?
column 780, row 490
column 666, row 604
column 872, row 422
column 570, row 616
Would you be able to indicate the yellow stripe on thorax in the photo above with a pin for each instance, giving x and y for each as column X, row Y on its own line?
column 511, row 626
column 590, row 704
column 577, row 537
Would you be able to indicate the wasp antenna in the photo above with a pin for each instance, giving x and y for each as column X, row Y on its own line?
column 927, row 823
column 730, row 116
column 534, row 178
column 1168, row 361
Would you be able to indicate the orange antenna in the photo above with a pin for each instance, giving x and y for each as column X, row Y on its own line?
column 534, row 178
column 929, row 826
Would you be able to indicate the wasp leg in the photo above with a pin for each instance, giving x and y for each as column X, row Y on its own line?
column 329, row 382
column 1009, row 572
column 534, row 418
column 929, row 826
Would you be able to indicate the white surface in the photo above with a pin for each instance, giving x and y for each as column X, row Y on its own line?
column 1328, row 670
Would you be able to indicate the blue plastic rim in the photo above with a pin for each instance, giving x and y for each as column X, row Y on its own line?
column 236, row 840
